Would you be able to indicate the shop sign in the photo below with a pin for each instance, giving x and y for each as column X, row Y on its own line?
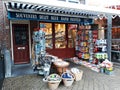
column 50, row 18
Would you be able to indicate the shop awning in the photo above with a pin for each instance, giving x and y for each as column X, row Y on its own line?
column 55, row 7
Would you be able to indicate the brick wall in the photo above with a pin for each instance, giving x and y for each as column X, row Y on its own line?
column 33, row 25
column 1, row 22
column 4, row 27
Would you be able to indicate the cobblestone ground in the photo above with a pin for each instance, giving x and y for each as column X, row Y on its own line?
column 91, row 80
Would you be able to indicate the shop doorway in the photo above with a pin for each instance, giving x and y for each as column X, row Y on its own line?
column 20, row 43
column 60, row 39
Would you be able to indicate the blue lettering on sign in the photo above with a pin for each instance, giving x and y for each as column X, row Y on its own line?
column 49, row 18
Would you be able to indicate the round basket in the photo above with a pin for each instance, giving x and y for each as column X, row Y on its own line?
column 68, row 81
column 61, row 66
column 77, row 73
column 78, row 76
column 53, row 81
column 53, row 84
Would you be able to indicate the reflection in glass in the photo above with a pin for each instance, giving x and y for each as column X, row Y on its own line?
column 20, row 36
column 60, row 38
column 48, row 34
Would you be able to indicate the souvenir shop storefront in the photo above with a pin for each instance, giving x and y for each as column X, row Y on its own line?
column 60, row 34
column 68, row 31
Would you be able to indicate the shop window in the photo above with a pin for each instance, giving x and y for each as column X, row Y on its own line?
column 82, row 1
column 116, row 33
column 60, row 36
column 48, row 34
column 72, row 28
column 116, row 39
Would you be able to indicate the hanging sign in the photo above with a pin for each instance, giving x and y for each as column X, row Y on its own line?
column 50, row 18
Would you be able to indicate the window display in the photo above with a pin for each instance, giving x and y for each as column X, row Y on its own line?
column 60, row 36
column 48, row 34
column 72, row 29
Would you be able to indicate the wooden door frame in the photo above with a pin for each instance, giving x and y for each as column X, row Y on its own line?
column 11, row 32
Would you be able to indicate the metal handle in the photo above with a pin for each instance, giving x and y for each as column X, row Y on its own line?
column 19, row 48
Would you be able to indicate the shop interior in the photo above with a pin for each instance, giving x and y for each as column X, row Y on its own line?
column 116, row 44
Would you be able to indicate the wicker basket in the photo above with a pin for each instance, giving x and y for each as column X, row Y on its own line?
column 68, row 81
column 78, row 76
column 54, row 82
column 53, row 85
column 61, row 66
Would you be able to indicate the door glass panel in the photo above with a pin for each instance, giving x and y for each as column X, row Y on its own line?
column 48, row 34
column 72, row 28
column 20, row 35
column 60, row 37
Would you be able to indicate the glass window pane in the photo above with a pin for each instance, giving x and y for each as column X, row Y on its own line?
column 115, row 33
column 72, row 28
column 48, row 34
column 60, row 38
column 20, row 35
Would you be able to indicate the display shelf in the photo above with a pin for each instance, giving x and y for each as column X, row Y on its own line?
column 48, row 35
column 101, row 53
column 82, row 43
column 48, row 38
column 86, row 37
column 39, row 49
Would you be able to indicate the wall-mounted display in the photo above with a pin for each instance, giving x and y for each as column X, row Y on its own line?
column 85, row 44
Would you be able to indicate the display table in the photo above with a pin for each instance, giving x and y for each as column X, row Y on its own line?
column 61, row 66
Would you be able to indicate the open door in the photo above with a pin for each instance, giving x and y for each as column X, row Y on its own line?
column 20, row 43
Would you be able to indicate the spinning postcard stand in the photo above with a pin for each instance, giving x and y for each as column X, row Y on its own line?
column 40, row 62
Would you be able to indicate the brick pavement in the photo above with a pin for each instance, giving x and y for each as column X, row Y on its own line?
column 91, row 81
